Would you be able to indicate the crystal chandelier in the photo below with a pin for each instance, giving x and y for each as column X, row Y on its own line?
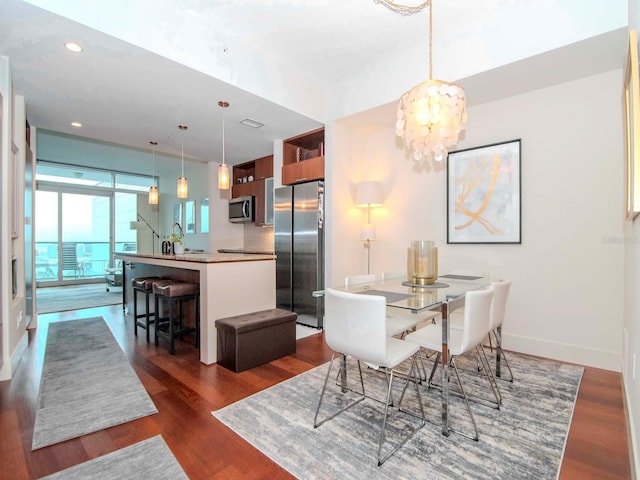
column 223, row 168
column 432, row 114
column 183, row 186
column 153, row 189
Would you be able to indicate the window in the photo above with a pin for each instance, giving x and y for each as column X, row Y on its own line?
column 52, row 172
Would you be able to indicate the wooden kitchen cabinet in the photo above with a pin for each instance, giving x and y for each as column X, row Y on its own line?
column 303, row 171
column 303, row 157
column 242, row 190
column 252, row 171
column 264, row 167
column 261, row 172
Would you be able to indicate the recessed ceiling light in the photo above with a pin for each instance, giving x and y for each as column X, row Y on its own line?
column 73, row 47
column 76, row 124
column 249, row 122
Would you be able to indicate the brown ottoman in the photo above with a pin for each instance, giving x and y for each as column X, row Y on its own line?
column 246, row 341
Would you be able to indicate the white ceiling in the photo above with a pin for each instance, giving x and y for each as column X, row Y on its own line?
column 126, row 95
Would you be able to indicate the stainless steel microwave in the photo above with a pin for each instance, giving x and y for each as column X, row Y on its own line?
column 241, row 210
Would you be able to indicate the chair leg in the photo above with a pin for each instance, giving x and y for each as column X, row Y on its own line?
column 172, row 349
column 156, row 302
column 499, row 352
column 148, row 317
column 413, row 372
column 135, row 312
column 466, row 402
column 489, row 373
column 464, row 395
column 433, row 370
column 422, row 370
column 317, row 423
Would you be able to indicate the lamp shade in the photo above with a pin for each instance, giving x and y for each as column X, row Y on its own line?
column 183, row 187
column 153, row 195
column 369, row 193
column 223, row 176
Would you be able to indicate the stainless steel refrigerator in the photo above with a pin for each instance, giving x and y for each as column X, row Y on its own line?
column 299, row 245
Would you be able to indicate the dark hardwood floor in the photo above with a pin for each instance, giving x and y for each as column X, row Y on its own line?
column 185, row 392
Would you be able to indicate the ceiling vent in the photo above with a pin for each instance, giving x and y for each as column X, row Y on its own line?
column 249, row 122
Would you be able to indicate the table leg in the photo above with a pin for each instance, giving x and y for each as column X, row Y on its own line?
column 445, row 369
column 499, row 329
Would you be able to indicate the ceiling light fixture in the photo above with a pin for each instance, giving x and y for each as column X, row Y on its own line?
column 73, row 47
column 76, row 124
column 250, row 122
column 153, row 189
column 183, row 186
column 432, row 114
column 223, row 168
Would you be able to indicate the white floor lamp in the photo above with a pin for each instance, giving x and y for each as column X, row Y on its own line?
column 368, row 194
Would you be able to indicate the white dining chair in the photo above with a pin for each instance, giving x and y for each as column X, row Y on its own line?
column 355, row 326
column 475, row 329
column 498, row 308
column 397, row 324
column 456, row 318
column 401, row 321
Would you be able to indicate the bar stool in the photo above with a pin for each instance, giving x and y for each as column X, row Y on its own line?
column 176, row 292
column 143, row 285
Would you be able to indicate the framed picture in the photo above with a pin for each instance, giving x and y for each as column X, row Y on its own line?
column 483, row 194
column 632, row 124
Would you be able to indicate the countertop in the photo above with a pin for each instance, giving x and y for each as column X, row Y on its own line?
column 245, row 250
column 201, row 257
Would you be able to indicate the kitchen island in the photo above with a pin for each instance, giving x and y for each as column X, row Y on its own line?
column 230, row 284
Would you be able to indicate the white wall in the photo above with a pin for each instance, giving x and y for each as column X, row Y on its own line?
column 198, row 181
column 566, row 300
column 496, row 34
column 222, row 233
column 631, row 334
column 5, row 238
column 12, row 309
column 631, row 339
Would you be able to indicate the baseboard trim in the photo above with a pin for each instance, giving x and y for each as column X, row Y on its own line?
column 6, row 372
column 634, row 448
column 564, row 352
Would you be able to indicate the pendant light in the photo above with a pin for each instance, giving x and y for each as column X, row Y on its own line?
column 432, row 114
column 153, row 190
column 183, row 187
column 223, row 168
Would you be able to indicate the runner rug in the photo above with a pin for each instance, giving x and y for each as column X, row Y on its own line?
column 87, row 383
column 524, row 439
column 150, row 458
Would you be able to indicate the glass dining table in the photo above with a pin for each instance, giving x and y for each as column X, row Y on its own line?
column 445, row 295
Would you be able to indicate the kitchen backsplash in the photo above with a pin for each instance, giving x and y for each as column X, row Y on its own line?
column 258, row 238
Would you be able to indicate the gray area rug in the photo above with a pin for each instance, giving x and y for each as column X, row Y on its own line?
column 525, row 439
column 87, row 383
column 150, row 458
column 75, row 297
